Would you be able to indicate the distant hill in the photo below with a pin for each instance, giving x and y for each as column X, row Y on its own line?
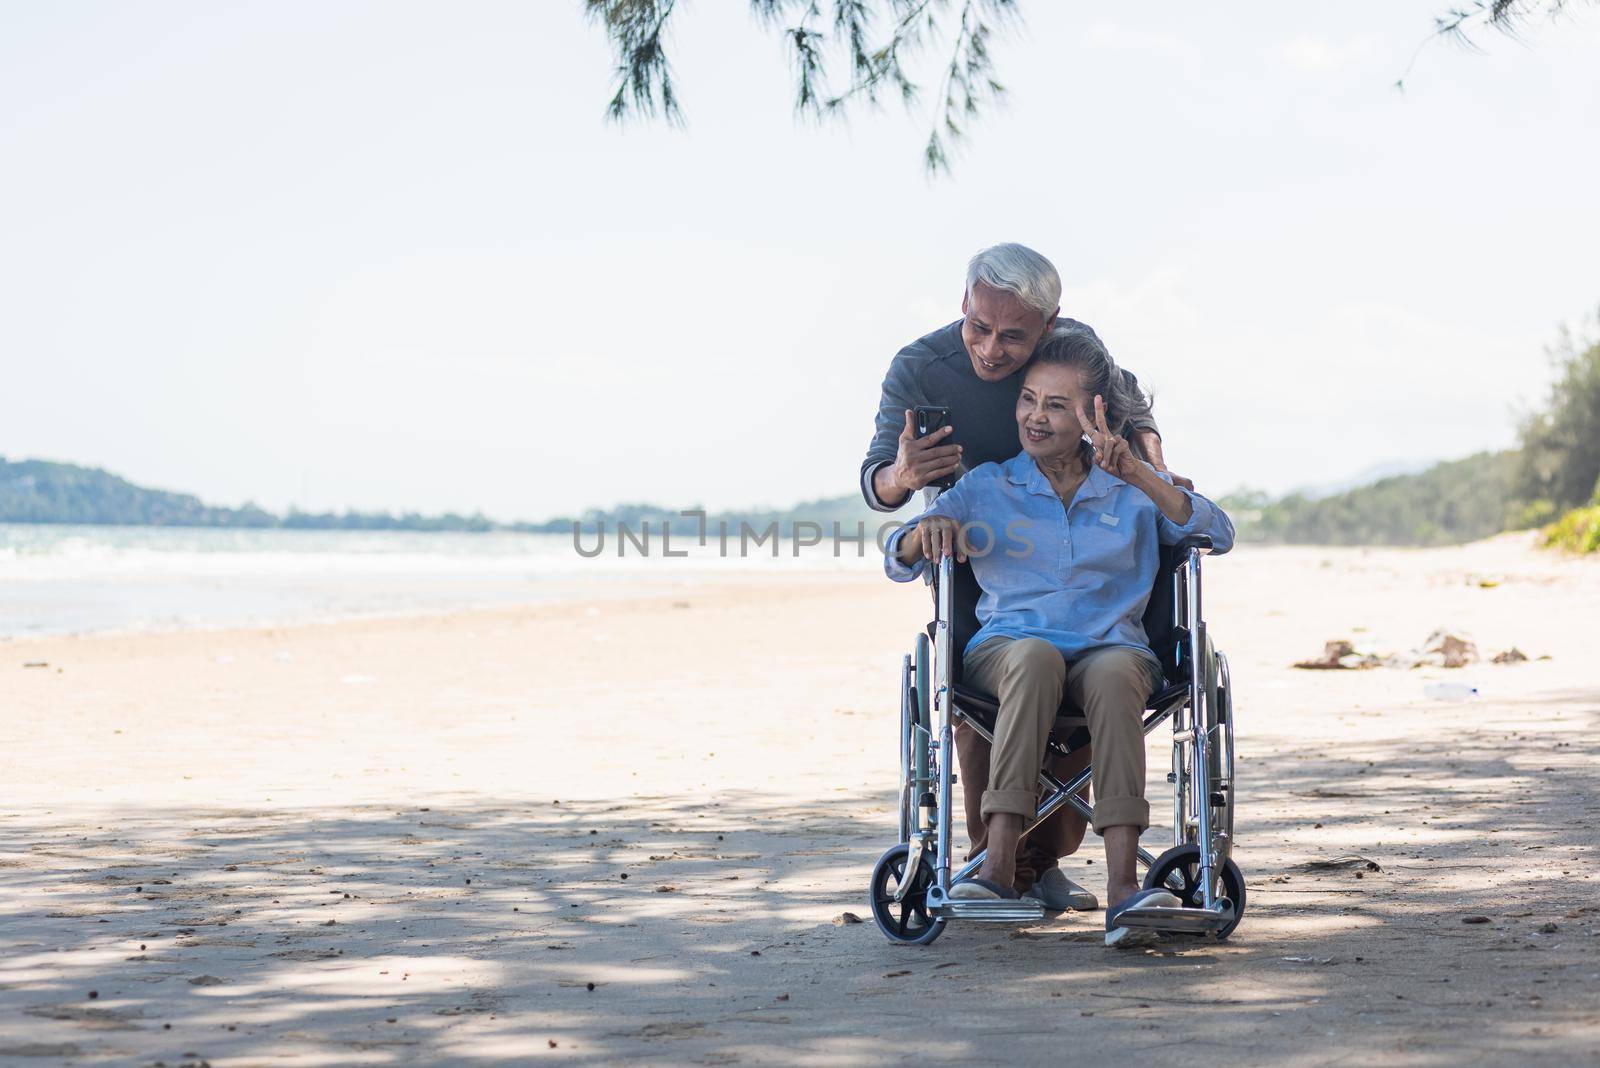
column 38, row 491
column 1450, row 502
column 41, row 491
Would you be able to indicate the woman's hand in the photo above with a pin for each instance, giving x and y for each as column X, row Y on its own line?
column 940, row 536
column 1111, row 451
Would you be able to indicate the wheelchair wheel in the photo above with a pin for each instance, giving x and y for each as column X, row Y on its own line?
column 1178, row 869
column 906, row 921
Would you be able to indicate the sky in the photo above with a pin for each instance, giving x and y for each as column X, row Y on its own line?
column 390, row 255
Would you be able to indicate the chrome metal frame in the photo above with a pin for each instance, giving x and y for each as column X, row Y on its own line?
column 1196, row 729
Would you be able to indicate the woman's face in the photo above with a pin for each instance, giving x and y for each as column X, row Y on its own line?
column 1047, row 419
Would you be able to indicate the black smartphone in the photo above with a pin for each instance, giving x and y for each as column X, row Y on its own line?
column 928, row 418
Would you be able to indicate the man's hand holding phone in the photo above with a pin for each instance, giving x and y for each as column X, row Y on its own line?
column 924, row 461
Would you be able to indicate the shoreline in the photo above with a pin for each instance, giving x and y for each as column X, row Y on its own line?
column 610, row 580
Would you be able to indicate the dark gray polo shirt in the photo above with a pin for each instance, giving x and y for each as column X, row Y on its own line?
column 936, row 370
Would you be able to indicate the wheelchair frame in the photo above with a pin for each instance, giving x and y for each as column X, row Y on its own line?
column 913, row 878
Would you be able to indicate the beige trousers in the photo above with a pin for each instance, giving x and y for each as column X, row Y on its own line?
column 1111, row 685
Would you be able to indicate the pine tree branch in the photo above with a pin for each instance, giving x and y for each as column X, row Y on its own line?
column 1458, row 25
column 644, row 76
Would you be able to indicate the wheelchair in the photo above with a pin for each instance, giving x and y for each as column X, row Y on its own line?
column 910, row 889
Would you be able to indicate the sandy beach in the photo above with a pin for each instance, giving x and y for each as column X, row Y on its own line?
column 628, row 829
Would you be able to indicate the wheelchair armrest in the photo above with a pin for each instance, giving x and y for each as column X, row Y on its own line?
column 1194, row 541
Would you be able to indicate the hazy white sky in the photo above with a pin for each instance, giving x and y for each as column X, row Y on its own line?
column 389, row 255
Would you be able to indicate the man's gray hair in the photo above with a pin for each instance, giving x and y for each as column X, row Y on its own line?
column 1020, row 271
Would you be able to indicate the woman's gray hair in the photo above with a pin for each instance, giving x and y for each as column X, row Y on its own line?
column 1073, row 346
column 1020, row 271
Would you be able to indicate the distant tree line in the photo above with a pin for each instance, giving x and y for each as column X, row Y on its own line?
column 1554, row 474
column 41, row 491
column 1456, row 501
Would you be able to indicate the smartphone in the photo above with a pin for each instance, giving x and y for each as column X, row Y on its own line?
column 928, row 418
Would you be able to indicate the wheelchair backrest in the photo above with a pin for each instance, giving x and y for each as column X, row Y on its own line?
column 1159, row 623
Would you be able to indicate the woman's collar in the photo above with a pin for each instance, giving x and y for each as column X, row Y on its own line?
column 1024, row 471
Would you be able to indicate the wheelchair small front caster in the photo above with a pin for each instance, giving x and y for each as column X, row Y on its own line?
column 1178, row 869
column 906, row 920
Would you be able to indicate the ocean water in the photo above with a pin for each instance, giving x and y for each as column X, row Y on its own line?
column 95, row 579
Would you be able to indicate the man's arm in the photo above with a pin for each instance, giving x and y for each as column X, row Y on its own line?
column 1141, row 432
column 880, row 489
column 901, row 390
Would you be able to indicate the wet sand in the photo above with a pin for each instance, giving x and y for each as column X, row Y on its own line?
column 625, row 829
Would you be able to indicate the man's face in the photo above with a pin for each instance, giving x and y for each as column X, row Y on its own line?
column 1000, row 331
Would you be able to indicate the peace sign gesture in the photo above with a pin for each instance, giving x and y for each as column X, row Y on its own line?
column 1111, row 451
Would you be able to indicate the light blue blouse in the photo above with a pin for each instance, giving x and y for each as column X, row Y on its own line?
column 1079, row 577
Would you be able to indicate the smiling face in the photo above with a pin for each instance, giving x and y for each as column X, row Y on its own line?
column 1047, row 419
column 1000, row 331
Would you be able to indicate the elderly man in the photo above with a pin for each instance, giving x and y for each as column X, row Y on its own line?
column 1011, row 302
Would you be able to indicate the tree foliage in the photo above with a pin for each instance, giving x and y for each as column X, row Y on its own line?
column 1461, row 24
column 1560, row 460
column 1452, row 502
column 1507, row 16
column 844, row 54
column 849, row 53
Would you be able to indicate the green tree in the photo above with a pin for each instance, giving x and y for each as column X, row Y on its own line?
column 1560, row 460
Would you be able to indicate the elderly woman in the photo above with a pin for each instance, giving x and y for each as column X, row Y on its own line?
column 1064, row 540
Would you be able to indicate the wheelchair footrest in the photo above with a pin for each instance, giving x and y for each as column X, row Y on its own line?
column 1177, row 921
column 1025, row 910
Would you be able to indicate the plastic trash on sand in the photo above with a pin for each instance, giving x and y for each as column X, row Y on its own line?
column 1450, row 691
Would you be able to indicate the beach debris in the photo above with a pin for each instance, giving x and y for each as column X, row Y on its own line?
column 897, row 974
column 36, row 664
column 1512, row 655
column 93, row 994
column 1548, row 927
column 1453, row 650
column 1474, row 919
column 1450, row 691
column 845, row 918
column 1347, row 862
column 1441, row 649
column 207, row 980
column 666, row 889
column 1309, row 960
column 1338, row 655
